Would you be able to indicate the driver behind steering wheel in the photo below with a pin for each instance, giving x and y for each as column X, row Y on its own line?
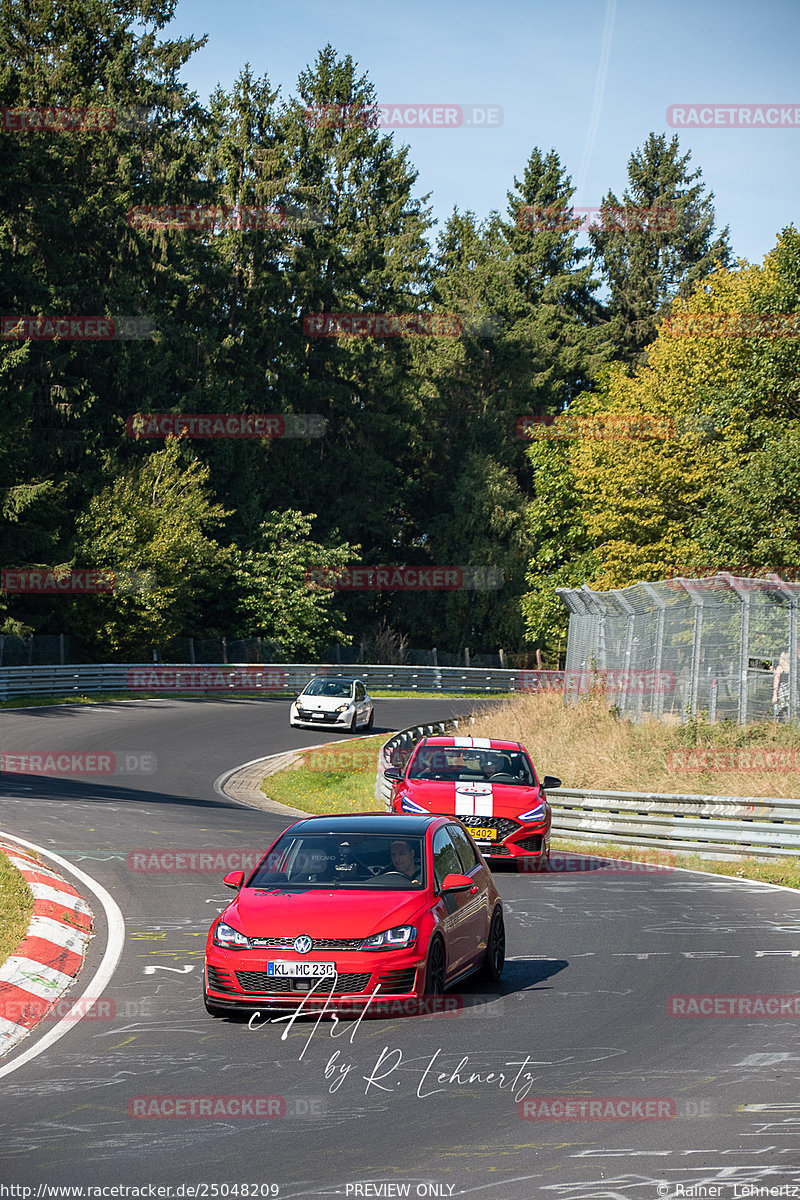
column 403, row 860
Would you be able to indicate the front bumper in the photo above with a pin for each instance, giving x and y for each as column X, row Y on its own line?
column 238, row 980
column 308, row 719
column 515, row 839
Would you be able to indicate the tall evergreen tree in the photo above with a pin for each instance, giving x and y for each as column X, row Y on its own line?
column 656, row 243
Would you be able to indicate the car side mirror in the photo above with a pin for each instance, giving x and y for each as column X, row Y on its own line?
column 393, row 773
column 550, row 781
column 234, row 879
column 456, row 883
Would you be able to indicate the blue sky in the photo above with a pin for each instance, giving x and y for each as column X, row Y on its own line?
column 590, row 79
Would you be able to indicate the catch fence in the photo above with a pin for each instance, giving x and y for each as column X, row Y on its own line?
column 718, row 646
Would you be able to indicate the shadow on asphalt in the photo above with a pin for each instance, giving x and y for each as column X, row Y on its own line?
column 53, row 787
column 473, row 999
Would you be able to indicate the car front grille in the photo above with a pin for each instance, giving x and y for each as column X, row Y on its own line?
column 503, row 825
column 260, row 981
column 287, row 943
column 397, row 981
column 220, row 981
column 532, row 844
column 306, row 714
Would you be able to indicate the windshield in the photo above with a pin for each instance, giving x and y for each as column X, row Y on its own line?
column 465, row 764
column 353, row 860
column 329, row 687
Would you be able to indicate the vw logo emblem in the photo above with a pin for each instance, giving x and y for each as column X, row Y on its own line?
column 303, row 944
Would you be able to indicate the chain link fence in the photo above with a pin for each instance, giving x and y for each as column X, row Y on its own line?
column 61, row 649
column 723, row 646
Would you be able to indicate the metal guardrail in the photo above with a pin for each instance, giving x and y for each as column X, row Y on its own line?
column 278, row 678
column 717, row 826
column 714, row 826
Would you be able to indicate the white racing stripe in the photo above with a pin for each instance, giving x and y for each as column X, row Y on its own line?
column 473, row 743
column 474, row 800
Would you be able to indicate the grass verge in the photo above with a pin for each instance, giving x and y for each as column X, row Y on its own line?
column 586, row 745
column 16, row 906
column 336, row 778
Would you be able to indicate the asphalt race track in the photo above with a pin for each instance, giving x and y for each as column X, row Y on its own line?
column 423, row 1106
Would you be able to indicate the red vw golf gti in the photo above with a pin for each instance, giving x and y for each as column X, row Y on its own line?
column 490, row 786
column 346, row 910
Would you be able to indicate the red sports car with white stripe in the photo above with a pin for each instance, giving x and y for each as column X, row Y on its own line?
column 491, row 786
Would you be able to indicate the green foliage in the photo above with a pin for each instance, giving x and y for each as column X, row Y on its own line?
column 152, row 520
column 646, row 268
column 274, row 596
column 420, row 463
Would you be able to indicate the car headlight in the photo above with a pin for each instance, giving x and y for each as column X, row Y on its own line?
column 410, row 806
column 230, row 938
column 391, row 939
column 533, row 814
column 342, row 708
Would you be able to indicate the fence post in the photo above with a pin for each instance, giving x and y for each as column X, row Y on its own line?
column 622, row 698
column 466, row 656
column 61, row 648
column 224, row 649
column 191, row 651
column 744, row 650
column 434, row 657
column 697, row 647
column 502, row 654
column 657, row 702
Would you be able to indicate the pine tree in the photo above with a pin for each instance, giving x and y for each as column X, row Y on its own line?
column 656, row 243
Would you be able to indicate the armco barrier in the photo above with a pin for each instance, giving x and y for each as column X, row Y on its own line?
column 712, row 826
column 283, row 678
column 715, row 826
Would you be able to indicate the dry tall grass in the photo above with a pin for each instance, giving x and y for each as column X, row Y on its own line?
column 586, row 745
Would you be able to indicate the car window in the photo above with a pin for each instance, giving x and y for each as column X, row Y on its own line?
column 445, row 857
column 352, row 861
column 465, row 848
column 361, row 691
column 330, row 687
column 469, row 764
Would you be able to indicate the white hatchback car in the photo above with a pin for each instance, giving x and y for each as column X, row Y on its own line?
column 333, row 701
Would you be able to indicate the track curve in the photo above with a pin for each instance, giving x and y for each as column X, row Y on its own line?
column 427, row 1104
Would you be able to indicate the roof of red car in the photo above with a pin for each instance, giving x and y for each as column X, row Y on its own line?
column 473, row 743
